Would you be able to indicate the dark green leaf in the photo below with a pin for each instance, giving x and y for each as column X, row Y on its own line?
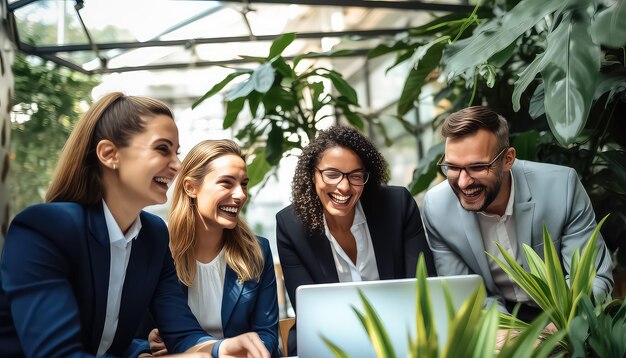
column 570, row 76
column 401, row 57
column 525, row 78
column 233, row 108
column 254, row 98
column 218, row 87
column 280, row 44
column 354, row 119
column 499, row 34
column 383, row 49
column 613, row 82
column 278, row 97
column 526, row 145
column 283, row 68
column 452, row 21
column 327, row 54
column 616, row 162
column 343, row 87
column 500, row 58
column 417, row 77
column 609, row 26
column 426, row 170
column 253, row 58
column 274, row 149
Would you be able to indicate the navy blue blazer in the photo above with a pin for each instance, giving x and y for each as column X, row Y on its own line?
column 54, row 275
column 396, row 229
column 252, row 306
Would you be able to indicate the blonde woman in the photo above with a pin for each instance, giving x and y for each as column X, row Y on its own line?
column 78, row 272
column 226, row 271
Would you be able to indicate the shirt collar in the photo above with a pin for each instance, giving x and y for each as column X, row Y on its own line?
column 115, row 233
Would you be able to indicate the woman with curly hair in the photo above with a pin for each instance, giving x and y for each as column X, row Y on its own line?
column 226, row 271
column 345, row 224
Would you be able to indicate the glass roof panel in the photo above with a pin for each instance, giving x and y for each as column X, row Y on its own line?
column 142, row 20
column 135, row 33
column 46, row 23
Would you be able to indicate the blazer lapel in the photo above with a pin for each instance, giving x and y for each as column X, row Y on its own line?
column 232, row 292
column 100, row 256
column 376, row 223
column 523, row 212
column 322, row 252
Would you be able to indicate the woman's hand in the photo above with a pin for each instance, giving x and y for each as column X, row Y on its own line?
column 247, row 345
column 157, row 346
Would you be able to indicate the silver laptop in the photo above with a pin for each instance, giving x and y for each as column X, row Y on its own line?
column 326, row 309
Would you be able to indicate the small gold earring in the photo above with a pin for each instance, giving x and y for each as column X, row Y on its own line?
column 114, row 166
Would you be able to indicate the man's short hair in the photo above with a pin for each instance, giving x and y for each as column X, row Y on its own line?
column 470, row 120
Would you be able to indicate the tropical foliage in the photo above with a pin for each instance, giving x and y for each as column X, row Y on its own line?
column 47, row 104
column 555, row 69
column 472, row 331
column 285, row 105
column 569, row 306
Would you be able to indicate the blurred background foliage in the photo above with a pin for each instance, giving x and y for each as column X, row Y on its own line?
column 48, row 100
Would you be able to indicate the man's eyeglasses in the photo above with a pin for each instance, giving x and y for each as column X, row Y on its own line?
column 334, row 176
column 473, row 170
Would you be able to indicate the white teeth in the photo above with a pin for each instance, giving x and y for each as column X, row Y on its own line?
column 472, row 191
column 230, row 209
column 341, row 199
column 163, row 180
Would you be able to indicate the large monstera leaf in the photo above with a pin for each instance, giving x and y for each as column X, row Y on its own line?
column 572, row 64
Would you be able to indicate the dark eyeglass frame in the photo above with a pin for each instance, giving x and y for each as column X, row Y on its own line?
column 344, row 175
column 485, row 168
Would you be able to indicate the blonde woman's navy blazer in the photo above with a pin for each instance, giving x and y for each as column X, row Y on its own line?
column 252, row 306
column 54, row 276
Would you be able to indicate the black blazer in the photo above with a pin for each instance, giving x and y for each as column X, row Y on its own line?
column 397, row 236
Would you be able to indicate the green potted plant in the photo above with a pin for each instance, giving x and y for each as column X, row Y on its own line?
column 472, row 331
column 286, row 105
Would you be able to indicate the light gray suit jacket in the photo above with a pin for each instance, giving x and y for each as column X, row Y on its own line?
column 544, row 194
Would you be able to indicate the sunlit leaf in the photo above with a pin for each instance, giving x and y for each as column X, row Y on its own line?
column 218, row 87
column 491, row 39
column 258, row 168
column 280, row 44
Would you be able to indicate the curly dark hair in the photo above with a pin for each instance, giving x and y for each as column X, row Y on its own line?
column 307, row 205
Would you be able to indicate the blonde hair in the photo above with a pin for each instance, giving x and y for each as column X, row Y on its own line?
column 115, row 117
column 241, row 248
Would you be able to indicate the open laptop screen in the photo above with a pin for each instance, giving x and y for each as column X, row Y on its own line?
column 326, row 309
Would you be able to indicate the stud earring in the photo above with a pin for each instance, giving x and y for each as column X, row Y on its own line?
column 114, row 166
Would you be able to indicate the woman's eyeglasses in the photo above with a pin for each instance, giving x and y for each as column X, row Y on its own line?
column 473, row 170
column 334, row 176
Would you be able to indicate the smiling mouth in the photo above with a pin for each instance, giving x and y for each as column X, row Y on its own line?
column 163, row 181
column 230, row 210
column 339, row 199
column 473, row 192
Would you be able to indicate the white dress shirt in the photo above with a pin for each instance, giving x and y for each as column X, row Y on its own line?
column 205, row 295
column 121, row 245
column 365, row 268
column 501, row 229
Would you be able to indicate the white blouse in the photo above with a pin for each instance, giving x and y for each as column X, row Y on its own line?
column 205, row 295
